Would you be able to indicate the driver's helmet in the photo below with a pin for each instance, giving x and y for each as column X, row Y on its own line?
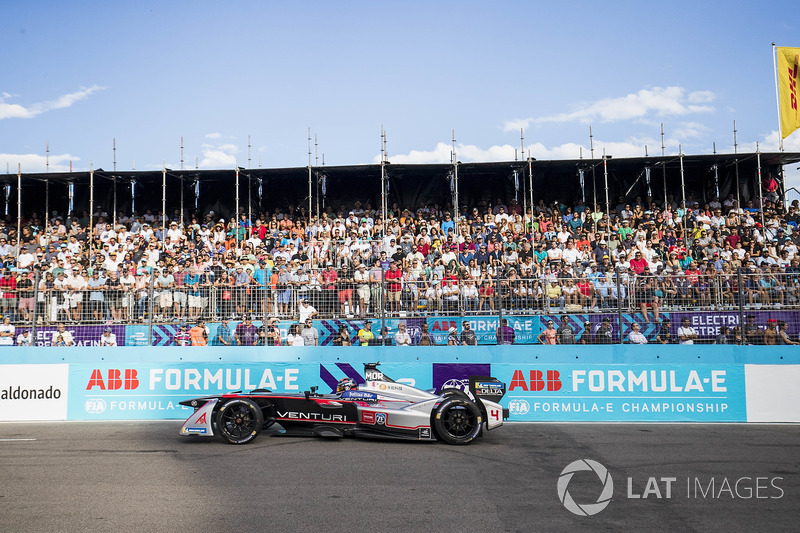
column 346, row 384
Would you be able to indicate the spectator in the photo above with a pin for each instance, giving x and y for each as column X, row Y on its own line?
column 783, row 334
column 306, row 311
column 547, row 335
column 771, row 333
column 736, row 336
column 7, row 332
column 108, row 338
column 25, row 338
column 636, row 336
column 310, row 333
column 586, row 336
column 468, row 337
column 246, row 332
column 752, row 333
column 384, row 337
column 224, row 337
column 452, row 337
column 182, row 337
column 565, row 334
column 365, row 334
column 401, row 338
column 425, row 338
column 664, row 335
column 294, row 338
column 199, row 334
column 604, row 334
column 686, row 333
column 505, row 333
column 66, row 336
column 723, row 336
column 8, row 286
column 342, row 337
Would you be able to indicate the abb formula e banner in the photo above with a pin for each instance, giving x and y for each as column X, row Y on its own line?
column 625, row 393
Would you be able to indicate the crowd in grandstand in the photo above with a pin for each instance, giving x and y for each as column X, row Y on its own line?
column 353, row 261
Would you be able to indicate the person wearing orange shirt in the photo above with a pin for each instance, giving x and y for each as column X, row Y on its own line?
column 199, row 334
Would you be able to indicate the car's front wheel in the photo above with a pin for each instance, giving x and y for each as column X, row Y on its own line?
column 457, row 421
column 239, row 421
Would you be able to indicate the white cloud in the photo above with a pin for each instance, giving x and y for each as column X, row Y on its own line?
column 471, row 153
column 214, row 135
column 36, row 162
column 660, row 101
column 8, row 110
column 219, row 156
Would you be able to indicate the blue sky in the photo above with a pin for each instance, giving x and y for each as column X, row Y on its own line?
column 80, row 74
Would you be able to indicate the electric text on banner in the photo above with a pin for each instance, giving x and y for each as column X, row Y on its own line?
column 787, row 79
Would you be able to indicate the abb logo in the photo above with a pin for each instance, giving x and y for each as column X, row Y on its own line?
column 538, row 381
column 115, row 379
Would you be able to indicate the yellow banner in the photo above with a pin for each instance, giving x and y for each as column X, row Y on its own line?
column 788, row 70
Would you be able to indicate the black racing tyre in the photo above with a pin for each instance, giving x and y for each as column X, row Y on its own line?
column 239, row 421
column 457, row 421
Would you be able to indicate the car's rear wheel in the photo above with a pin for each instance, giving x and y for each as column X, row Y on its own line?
column 239, row 421
column 457, row 421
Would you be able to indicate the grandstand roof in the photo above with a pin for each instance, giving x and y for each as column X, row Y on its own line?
column 411, row 185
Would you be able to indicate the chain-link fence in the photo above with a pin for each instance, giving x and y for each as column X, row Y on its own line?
column 598, row 307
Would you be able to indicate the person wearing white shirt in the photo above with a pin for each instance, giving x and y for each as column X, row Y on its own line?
column 686, row 333
column 401, row 338
column 7, row 331
column 636, row 336
column 108, row 338
column 25, row 338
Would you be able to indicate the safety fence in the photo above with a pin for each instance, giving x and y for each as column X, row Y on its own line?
column 151, row 300
column 718, row 326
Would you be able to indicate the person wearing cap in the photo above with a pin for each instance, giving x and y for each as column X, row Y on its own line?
column 452, row 337
column 108, row 338
column 306, row 311
column 664, row 335
column 329, row 278
column 770, row 336
column 365, row 334
column 182, row 337
column 604, row 333
column 361, row 280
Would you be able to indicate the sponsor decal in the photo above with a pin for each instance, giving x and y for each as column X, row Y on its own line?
column 380, row 418
column 518, row 407
column 95, row 406
column 115, row 379
column 359, row 395
column 424, row 433
column 202, row 419
column 197, row 430
column 367, row 417
column 327, row 417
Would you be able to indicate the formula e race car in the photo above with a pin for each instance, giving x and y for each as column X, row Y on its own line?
column 374, row 406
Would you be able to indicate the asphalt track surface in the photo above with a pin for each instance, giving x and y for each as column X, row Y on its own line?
column 136, row 476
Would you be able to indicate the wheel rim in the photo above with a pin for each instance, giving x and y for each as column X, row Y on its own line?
column 238, row 421
column 459, row 422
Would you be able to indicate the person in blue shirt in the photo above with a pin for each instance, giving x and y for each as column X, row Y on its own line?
column 224, row 337
column 261, row 277
column 192, row 283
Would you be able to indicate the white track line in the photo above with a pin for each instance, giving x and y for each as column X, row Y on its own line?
column 14, row 440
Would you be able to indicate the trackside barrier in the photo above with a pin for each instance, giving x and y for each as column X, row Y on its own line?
column 554, row 383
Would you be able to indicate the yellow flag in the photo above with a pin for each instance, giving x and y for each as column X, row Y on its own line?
column 788, row 70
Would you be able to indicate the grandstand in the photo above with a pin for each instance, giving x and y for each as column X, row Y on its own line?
column 595, row 246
